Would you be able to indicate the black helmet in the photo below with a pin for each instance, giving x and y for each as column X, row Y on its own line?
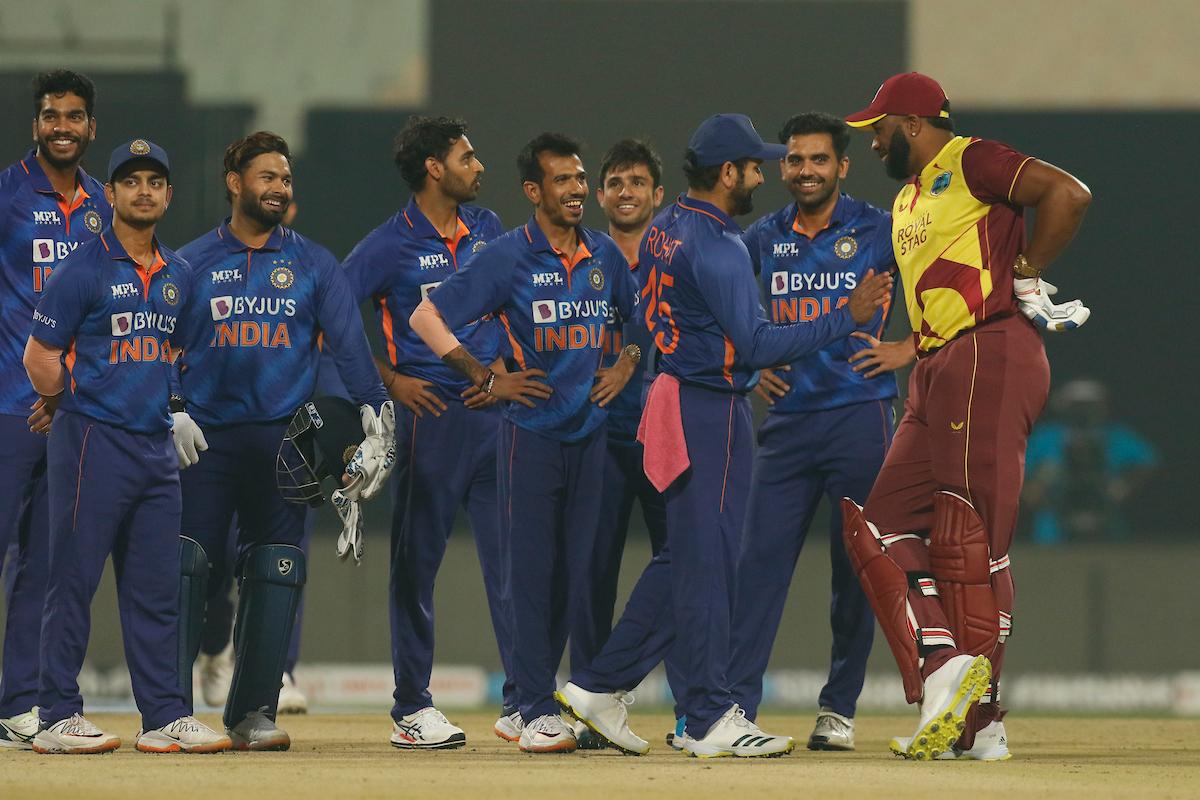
column 321, row 439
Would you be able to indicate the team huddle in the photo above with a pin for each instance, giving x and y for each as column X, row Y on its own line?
column 166, row 407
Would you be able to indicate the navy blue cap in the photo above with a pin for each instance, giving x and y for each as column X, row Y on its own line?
column 730, row 137
column 136, row 150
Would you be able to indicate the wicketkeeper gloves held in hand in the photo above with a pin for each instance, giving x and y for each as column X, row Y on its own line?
column 1033, row 296
column 189, row 439
column 350, row 540
column 372, row 463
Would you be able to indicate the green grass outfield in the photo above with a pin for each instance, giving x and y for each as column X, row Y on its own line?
column 348, row 755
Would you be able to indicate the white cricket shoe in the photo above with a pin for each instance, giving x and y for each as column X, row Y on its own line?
column 184, row 735
column 426, row 729
column 832, row 732
column 586, row 738
column 75, row 735
column 734, row 735
column 509, row 726
column 548, row 733
column 216, row 676
column 606, row 713
column 991, row 744
column 678, row 737
column 257, row 731
column 17, row 732
column 949, row 694
column 291, row 699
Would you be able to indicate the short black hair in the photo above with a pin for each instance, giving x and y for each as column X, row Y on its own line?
column 705, row 178
column 629, row 153
column 528, row 166
column 61, row 81
column 422, row 138
column 811, row 122
column 945, row 123
column 241, row 152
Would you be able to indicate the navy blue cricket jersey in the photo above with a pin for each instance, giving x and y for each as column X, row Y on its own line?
column 250, row 332
column 625, row 410
column 115, row 321
column 38, row 229
column 555, row 311
column 399, row 263
column 803, row 279
column 702, row 303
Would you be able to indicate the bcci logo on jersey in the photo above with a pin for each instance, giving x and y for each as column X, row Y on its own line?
column 282, row 277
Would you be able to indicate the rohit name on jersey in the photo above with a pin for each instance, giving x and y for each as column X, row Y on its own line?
column 552, row 330
column 129, row 344
column 792, row 293
column 257, row 332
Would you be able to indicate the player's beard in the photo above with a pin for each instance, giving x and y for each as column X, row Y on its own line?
column 815, row 202
column 742, row 196
column 59, row 163
column 253, row 208
column 459, row 190
column 899, row 152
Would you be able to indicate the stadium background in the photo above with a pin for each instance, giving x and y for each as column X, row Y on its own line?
column 1082, row 84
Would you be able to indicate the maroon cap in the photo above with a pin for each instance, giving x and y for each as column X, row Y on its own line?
column 903, row 94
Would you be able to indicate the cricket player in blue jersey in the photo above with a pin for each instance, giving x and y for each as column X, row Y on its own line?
column 48, row 206
column 261, row 295
column 703, row 308
column 446, row 427
column 99, row 357
column 828, row 426
column 552, row 283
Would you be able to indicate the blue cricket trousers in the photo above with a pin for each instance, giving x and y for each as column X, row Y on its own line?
column 549, row 495
column 24, row 515
column 683, row 603
column 443, row 463
column 112, row 491
column 802, row 457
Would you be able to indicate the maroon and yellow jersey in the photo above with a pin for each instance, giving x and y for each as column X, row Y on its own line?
column 956, row 233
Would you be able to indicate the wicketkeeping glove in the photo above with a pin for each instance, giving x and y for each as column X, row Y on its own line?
column 350, row 540
column 1033, row 296
column 373, row 461
column 189, row 439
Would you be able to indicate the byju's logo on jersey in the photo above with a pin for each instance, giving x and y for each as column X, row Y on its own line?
column 784, row 249
column 124, row 290
column 46, row 218
column 544, row 311
column 779, row 282
column 433, row 261
column 122, row 324
column 226, row 275
column 43, row 251
column 547, row 279
column 221, row 307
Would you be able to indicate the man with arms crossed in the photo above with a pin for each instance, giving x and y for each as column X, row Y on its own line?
column 828, row 427
column 446, row 427
column 99, row 356
column 48, row 206
column 931, row 544
column 553, row 283
column 703, row 309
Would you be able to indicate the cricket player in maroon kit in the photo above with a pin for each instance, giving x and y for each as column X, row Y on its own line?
column 931, row 544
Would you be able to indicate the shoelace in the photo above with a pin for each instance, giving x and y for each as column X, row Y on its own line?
column 432, row 714
column 835, row 724
column 78, row 725
column 626, row 700
column 548, row 724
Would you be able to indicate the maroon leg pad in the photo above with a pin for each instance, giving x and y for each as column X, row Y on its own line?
column 960, row 560
column 886, row 586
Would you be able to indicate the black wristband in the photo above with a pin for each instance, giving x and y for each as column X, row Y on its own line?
column 177, row 403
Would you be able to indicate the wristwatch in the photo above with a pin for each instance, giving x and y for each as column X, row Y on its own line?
column 633, row 353
column 1023, row 269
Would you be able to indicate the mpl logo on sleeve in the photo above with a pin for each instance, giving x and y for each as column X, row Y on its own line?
column 544, row 311
column 122, row 323
column 221, row 307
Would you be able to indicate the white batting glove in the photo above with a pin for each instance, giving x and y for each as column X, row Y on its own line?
column 189, row 439
column 373, row 461
column 350, row 540
column 1033, row 296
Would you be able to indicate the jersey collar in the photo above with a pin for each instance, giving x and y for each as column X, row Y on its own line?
column 843, row 209
column 539, row 243
column 236, row 245
column 694, row 206
column 41, row 183
column 116, row 251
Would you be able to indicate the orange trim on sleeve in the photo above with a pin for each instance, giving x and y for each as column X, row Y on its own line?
column 701, row 211
column 388, row 327
column 518, row 353
column 69, row 362
column 727, row 367
column 1017, row 176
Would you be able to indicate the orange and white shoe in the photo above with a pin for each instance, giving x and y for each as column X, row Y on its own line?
column 184, row 735
column 75, row 735
column 509, row 726
column 549, row 733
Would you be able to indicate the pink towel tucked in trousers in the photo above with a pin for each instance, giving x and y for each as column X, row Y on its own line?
column 661, row 433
